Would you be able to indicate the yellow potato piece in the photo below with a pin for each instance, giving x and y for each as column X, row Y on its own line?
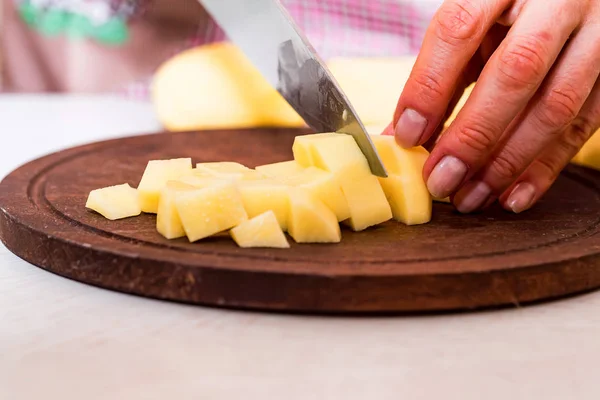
column 156, row 175
column 408, row 197
column 216, row 86
column 207, row 211
column 261, row 196
column 115, row 202
column 260, row 231
column 372, row 84
column 199, row 173
column 228, row 169
column 310, row 221
column 281, row 169
column 222, row 167
column 397, row 160
column 324, row 186
column 339, row 153
column 367, row 202
column 168, row 222
column 302, row 147
column 203, row 181
column 404, row 188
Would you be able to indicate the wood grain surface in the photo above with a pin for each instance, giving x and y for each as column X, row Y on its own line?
column 454, row 263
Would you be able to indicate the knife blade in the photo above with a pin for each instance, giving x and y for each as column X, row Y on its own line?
column 269, row 37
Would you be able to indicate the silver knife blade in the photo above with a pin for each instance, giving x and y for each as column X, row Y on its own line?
column 268, row 36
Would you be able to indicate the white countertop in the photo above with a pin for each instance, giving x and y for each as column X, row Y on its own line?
column 60, row 339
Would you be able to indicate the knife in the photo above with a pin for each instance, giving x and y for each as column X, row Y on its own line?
column 268, row 36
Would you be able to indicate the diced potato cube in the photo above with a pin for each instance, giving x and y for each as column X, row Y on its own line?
column 115, row 202
column 367, row 202
column 408, row 197
column 200, row 173
column 207, row 211
column 224, row 167
column 397, row 160
column 156, row 175
column 228, row 169
column 310, row 220
column 251, row 175
column 281, row 169
column 203, row 181
column 168, row 222
column 302, row 147
column 340, row 154
column 260, row 231
column 261, row 196
column 324, row 186
column 404, row 188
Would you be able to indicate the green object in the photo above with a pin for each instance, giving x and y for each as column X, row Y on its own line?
column 54, row 22
column 113, row 32
column 51, row 22
column 78, row 27
column 28, row 13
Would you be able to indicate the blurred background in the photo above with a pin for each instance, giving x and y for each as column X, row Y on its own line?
column 118, row 45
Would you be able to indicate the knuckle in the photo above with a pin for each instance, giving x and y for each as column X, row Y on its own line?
column 559, row 107
column 580, row 130
column 506, row 165
column 458, row 21
column 476, row 137
column 584, row 127
column 521, row 64
column 550, row 167
column 430, row 85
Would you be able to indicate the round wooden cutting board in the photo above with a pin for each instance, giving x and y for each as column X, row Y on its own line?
column 455, row 262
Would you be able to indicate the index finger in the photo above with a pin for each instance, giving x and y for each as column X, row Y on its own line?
column 454, row 35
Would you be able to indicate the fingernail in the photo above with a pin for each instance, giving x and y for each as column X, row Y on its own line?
column 446, row 176
column 472, row 196
column 410, row 128
column 521, row 197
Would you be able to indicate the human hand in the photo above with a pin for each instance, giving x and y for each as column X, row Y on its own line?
column 536, row 102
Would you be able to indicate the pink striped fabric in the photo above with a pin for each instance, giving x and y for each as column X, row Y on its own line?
column 344, row 28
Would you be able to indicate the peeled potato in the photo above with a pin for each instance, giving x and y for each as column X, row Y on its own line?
column 260, row 231
column 280, row 169
column 156, row 176
column 404, row 187
column 323, row 185
column 259, row 197
column 340, row 155
column 168, row 222
column 373, row 86
column 115, row 202
column 310, row 220
column 216, row 86
column 207, row 211
column 257, row 207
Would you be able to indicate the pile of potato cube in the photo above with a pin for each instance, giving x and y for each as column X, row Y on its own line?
column 328, row 182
